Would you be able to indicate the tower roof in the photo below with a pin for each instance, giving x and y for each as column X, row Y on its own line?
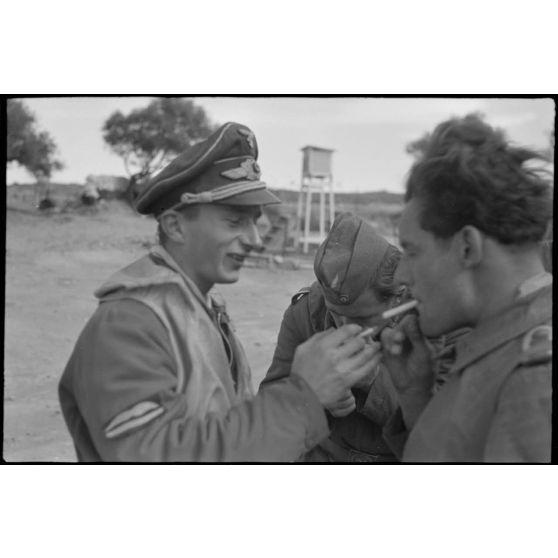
column 315, row 148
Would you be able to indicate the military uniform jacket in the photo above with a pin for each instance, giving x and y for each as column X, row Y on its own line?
column 358, row 436
column 158, row 375
column 496, row 404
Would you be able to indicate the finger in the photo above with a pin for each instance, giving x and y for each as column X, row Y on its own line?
column 350, row 404
column 344, row 408
column 350, row 368
column 414, row 338
column 376, row 346
column 355, row 346
column 392, row 340
column 359, row 369
column 345, row 399
column 342, row 334
column 396, row 349
column 352, row 347
column 410, row 326
column 344, row 412
column 390, row 335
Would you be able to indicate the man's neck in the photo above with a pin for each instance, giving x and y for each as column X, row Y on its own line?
column 182, row 262
column 501, row 280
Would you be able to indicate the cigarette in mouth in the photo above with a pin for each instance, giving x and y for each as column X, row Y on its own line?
column 389, row 314
column 399, row 309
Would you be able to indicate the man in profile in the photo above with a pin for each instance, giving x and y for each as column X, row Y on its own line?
column 476, row 212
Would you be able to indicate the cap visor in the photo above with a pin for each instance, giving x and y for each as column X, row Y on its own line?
column 256, row 197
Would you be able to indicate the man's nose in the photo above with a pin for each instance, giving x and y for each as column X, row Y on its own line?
column 251, row 237
column 401, row 276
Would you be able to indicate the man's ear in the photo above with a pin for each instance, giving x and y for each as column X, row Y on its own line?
column 470, row 244
column 172, row 226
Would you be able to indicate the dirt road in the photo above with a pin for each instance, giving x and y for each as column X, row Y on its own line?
column 53, row 265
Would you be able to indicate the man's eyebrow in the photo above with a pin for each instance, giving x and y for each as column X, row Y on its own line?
column 256, row 213
column 244, row 211
column 233, row 210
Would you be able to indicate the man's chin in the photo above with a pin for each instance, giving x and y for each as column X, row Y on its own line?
column 430, row 328
column 231, row 277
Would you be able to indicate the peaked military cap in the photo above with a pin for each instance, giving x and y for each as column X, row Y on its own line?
column 221, row 169
column 346, row 262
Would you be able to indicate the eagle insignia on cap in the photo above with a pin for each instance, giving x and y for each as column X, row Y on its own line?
column 249, row 135
column 248, row 169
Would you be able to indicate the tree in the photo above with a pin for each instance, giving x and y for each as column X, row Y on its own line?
column 149, row 137
column 33, row 149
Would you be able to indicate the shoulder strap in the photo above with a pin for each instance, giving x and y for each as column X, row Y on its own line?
column 536, row 346
column 300, row 294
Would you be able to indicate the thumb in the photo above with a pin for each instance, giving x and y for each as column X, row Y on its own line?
column 410, row 325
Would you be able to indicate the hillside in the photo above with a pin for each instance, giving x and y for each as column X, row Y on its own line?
column 380, row 209
column 287, row 196
column 349, row 198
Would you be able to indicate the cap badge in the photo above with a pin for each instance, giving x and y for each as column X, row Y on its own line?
column 250, row 137
column 248, row 169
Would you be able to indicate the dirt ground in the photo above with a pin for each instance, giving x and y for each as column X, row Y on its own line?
column 53, row 265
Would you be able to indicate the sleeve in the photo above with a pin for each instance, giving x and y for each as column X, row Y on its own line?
column 126, row 373
column 295, row 329
column 521, row 431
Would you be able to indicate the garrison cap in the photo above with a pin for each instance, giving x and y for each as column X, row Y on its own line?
column 347, row 260
column 221, row 169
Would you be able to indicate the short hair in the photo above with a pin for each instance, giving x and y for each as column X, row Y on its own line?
column 162, row 237
column 468, row 173
column 190, row 211
column 382, row 280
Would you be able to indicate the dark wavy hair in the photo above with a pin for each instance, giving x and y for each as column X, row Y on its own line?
column 381, row 281
column 468, row 173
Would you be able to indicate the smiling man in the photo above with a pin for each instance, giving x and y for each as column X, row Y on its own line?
column 477, row 208
column 158, row 373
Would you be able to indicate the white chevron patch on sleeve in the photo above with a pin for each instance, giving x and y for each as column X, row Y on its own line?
column 138, row 415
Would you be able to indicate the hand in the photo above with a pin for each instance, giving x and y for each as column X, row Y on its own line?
column 344, row 406
column 334, row 360
column 365, row 383
column 409, row 361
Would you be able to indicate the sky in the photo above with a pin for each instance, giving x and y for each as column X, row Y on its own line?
column 368, row 135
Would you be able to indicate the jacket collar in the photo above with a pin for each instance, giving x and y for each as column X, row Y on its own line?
column 532, row 307
column 156, row 268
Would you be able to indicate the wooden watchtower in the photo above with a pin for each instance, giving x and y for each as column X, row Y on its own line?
column 317, row 179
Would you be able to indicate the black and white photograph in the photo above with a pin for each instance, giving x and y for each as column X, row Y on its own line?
column 279, row 279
